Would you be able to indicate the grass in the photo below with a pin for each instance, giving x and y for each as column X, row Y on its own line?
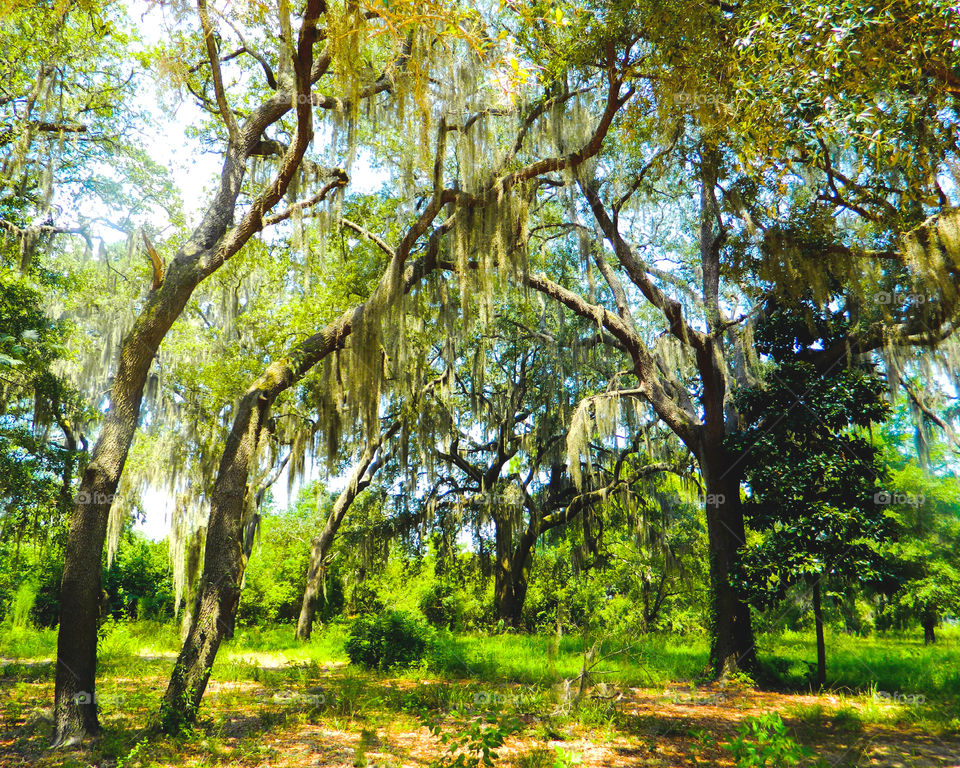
column 268, row 689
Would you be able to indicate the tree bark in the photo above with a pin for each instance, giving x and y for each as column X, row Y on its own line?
column 731, row 644
column 821, row 645
column 208, row 248
column 512, row 580
column 360, row 478
column 929, row 623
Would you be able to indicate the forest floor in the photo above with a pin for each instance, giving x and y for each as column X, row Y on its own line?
column 271, row 702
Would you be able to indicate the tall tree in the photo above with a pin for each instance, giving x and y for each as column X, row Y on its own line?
column 227, row 225
column 813, row 478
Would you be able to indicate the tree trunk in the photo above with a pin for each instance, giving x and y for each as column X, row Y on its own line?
column 929, row 623
column 75, row 711
column 512, row 581
column 358, row 480
column 224, row 561
column 732, row 645
column 502, row 576
column 821, row 646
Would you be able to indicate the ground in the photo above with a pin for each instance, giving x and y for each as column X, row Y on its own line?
column 305, row 706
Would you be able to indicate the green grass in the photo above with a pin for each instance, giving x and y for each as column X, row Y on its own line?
column 267, row 682
column 538, row 659
column 893, row 666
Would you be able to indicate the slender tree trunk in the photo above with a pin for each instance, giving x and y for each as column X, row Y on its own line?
column 821, row 645
column 929, row 622
column 209, row 246
column 360, row 477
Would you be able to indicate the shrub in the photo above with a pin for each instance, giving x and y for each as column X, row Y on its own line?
column 449, row 607
column 390, row 639
column 764, row 741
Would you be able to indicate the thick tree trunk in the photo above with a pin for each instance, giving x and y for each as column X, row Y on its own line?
column 511, row 581
column 732, row 644
column 75, row 711
column 821, row 645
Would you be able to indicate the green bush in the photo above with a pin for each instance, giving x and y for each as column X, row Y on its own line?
column 447, row 606
column 764, row 741
column 386, row 640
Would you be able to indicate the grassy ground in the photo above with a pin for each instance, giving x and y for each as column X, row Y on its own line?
column 272, row 701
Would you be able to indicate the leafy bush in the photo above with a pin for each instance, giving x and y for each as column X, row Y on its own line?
column 387, row 640
column 138, row 583
column 447, row 606
column 365, row 599
column 764, row 741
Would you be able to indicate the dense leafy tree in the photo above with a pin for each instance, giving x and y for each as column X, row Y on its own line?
column 815, row 483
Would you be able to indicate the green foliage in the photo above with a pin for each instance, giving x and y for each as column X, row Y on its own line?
column 387, row 640
column 472, row 740
column 276, row 575
column 764, row 741
column 925, row 556
column 446, row 606
column 138, row 582
column 814, row 483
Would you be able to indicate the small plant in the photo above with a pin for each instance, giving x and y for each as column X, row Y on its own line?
column 474, row 740
column 133, row 755
column 566, row 759
column 391, row 639
column 764, row 741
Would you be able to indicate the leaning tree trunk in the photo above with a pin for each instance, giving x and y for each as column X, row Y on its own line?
column 821, row 645
column 358, row 480
column 75, row 711
column 224, row 560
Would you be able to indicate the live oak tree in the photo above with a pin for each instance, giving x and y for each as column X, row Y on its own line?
column 745, row 247
column 234, row 214
column 487, row 204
